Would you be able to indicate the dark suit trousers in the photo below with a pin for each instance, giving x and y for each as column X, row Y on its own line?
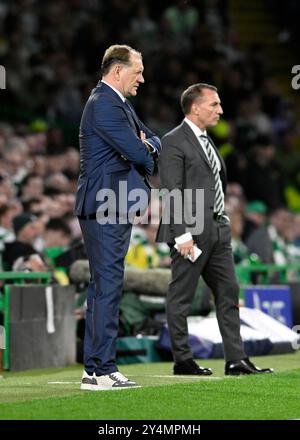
column 216, row 266
column 106, row 247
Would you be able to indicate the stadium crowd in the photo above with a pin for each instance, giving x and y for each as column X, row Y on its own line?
column 52, row 51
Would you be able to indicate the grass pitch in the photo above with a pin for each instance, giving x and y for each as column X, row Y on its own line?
column 54, row 394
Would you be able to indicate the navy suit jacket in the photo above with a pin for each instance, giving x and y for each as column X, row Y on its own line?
column 111, row 150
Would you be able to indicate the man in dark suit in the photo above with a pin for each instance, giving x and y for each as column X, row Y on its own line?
column 189, row 162
column 117, row 153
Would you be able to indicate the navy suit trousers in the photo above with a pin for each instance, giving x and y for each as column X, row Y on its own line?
column 106, row 247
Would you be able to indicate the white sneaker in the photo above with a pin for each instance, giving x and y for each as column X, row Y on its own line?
column 88, row 383
column 114, row 381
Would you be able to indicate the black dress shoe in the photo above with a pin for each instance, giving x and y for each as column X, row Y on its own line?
column 190, row 367
column 244, row 366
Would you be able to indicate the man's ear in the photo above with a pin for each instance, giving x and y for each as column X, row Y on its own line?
column 194, row 109
column 117, row 70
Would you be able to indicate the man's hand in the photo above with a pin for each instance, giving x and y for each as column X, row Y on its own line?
column 149, row 147
column 142, row 136
column 186, row 249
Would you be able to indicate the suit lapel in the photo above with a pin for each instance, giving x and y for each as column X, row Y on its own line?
column 196, row 145
column 194, row 141
column 130, row 113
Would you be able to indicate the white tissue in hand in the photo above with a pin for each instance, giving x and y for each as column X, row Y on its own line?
column 197, row 253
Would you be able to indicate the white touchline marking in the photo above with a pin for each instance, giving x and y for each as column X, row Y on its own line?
column 181, row 376
column 162, row 376
column 61, row 383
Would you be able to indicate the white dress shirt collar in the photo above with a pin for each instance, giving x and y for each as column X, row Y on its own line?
column 198, row 132
column 115, row 90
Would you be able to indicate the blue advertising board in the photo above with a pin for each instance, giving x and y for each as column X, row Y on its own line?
column 272, row 300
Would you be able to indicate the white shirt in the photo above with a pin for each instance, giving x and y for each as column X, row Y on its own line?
column 198, row 132
column 115, row 90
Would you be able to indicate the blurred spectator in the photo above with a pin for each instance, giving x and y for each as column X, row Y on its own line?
column 57, row 234
column 57, row 238
column 269, row 241
column 32, row 186
column 30, row 263
column 143, row 29
column 7, row 212
column 255, row 216
column 57, row 182
column 182, row 17
column 36, row 137
column 39, row 165
column 35, row 205
column 143, row 251
column 27, row 229
column 7, row 189
column 241, row 253
column 263, row 177
column 292, row 192
column 296, row 239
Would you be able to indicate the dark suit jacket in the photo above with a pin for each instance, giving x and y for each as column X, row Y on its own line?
column 110, row 149
column 184, row 165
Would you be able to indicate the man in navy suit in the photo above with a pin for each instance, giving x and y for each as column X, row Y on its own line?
column 117, row 153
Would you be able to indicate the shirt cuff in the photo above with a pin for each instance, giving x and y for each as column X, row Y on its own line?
column 183, row 238
column 152, row 149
